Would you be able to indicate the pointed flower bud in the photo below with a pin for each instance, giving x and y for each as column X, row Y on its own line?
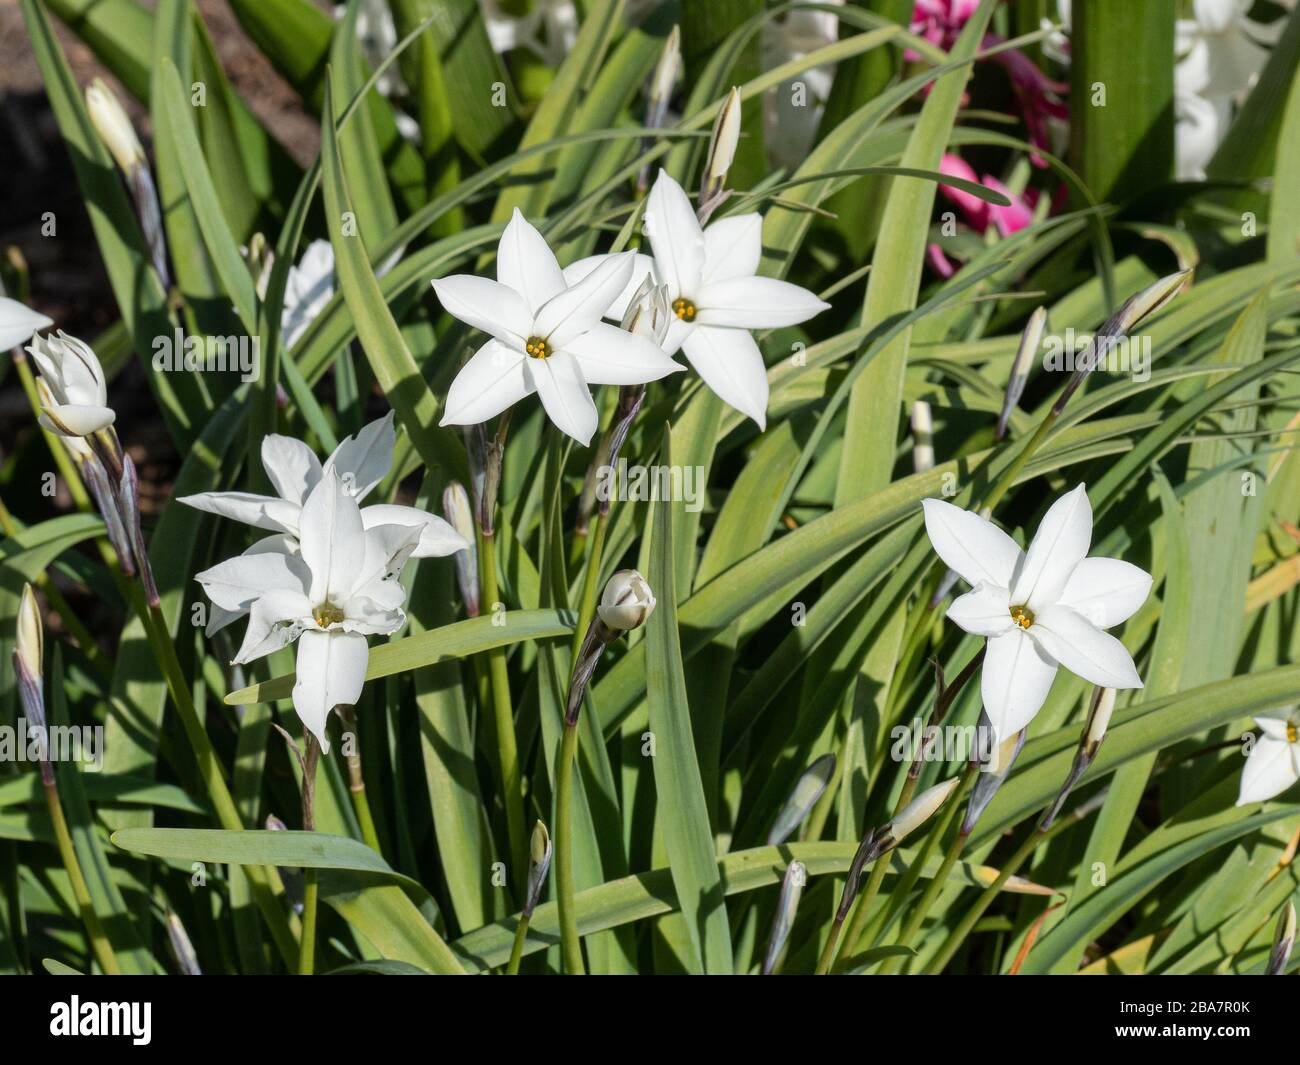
column 539, row 864
column 808, row 789
column 1099, row 720
column 1283, row 941
column 722, row 152
column 993, row 774
column 626, row 601
column 647, row 313
column 1094, row 731
column 29, row 642
column 1030, row 340
column 665, row 77
column 792, row 885
column 916, row 813
column 113, row 126
column 1134, row 311
column 459, row 513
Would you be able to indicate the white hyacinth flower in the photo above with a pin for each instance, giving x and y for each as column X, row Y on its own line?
column 336, row 588
column 547, row 335
column 1221, row 47
column 18, row 322
column 1274, row 762
column 1039, row 609
column 715, row 293
column 77, row 402
column 360, row 462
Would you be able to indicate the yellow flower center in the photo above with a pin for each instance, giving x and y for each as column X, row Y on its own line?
column 1022, row 616
column 684, row 309
column 327, row 614
column 537, row 347
column 1292, row 733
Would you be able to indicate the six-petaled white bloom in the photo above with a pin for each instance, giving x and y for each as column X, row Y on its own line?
column 547, row 335
column 18, row 322
column 329, row 591
column 1038, row 608
column 76, row 403
column 1274, row 762
column 715, row 294
column 360, row 461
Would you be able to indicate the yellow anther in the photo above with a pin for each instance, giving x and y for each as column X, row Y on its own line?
column 1022, row 616
column 327, row 614
column 684, row 309
column 537, row 347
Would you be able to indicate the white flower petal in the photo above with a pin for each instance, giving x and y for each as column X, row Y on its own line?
column 755, row 303
column 731, row 365
column 332, row 540
column 733, row 247
column 18, row 323
column 526, row 263
column 563, row 391
column 487, row 305
column 236, row 582
column 1269, row 770
column 610, row 356
column 985, row 611
column 1106, row 591
column 362, row 461
column 492, row 380
column 973, row 547
column 77, row 421
column 1060, row 544
column 1014, row 681
column 274, row 620
column 641, row 266
column 291, row 465
column 1084, row 649
column 264, row 512
column 675, row 236
column 577, row 309
column 437, row 537
column 331, row 670
column 281, row 543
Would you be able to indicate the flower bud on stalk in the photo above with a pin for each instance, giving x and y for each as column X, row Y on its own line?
column 182, row 949
column 29, row 656
column 812, row 782
column 1030, row 340
column 101, row 490
column 460, row 516
column 792, row 885
column 539, row 864
column 625, row 604
column 115, row 130
column 722, row 152
column 1283, row 941
column 1094, row 731
column 485, row 470
column 129, row 496
column 661, row 90
column 1134, row 311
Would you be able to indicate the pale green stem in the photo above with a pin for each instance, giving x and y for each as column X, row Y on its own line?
column 570, row 946
column 99, row 943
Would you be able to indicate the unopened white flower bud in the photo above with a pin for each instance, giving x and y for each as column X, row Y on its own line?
column 922, row 437
column 918, row 811
column 1100, row 718
column 113, row 126
column 626, row 601
column 29, row 642
column 722, row 150
column 1283, row 941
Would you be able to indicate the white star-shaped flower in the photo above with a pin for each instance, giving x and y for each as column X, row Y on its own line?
column 547, row 336
column 715, row 293
column 1038, row 608
column 1274, row 762
column 74, row 392
column 360, row 461
column 328, row 592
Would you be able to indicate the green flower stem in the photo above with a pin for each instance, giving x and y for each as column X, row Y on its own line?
column 591, row 578
column 503, row 717
column 828, row 951
column 1009, row 869
column 1008, row 478
column 67, row 468
column 99, row 943
column 265, row 882
column 869, row 893
column 570, row 946
column 936, row 883
column 357, row 785
column 517, row 950
column 310, row 888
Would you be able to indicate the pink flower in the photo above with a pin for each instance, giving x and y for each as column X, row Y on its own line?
column 980, row 214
